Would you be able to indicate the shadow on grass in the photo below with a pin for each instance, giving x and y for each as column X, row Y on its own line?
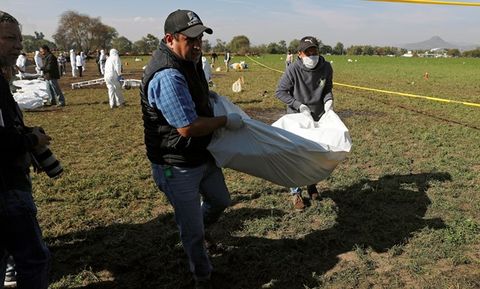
column 377, row 214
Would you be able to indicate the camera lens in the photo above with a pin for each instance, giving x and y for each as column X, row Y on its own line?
column 48, row 162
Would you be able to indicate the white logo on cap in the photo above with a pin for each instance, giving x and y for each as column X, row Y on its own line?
column 308, row 40
column 194, row 20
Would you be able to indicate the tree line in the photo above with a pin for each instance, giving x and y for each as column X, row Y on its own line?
column 84, row 33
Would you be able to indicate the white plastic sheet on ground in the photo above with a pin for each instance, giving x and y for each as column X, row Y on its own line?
column 31, row 94
column 303, row 152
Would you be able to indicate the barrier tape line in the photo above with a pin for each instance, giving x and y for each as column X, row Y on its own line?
column 386, row 91
column 459, row 3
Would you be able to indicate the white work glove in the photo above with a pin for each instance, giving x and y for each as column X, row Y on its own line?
column 328, row 105
column 234, row 121
column 304, row 109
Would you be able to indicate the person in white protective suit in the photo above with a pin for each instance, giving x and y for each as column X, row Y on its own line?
column 206, row 70
column 38, row 62
column 113, row 74
column 73, row 62
column 79, row 64
column 306, row 87
column 101, row 61
column 84, row 60
column 21, row 65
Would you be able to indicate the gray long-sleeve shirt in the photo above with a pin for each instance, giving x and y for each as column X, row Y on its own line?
column 301, row 85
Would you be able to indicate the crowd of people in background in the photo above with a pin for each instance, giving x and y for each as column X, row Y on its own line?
column 51, row 68
column 77, row 64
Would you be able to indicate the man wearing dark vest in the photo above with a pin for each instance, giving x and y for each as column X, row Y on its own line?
column 178, row 125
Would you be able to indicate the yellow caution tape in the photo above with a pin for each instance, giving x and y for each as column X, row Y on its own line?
column 430, row 2
column 386, row 91
column 409, row 94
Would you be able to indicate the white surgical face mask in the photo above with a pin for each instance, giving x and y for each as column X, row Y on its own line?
column 310, row 61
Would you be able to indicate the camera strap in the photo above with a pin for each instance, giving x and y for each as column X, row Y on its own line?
column 3, row 188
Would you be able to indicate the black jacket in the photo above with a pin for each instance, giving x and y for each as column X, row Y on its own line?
column 16, row 142
column 163, row 142
column 50, row 67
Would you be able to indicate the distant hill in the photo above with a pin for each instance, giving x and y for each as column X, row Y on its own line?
column 437, row 42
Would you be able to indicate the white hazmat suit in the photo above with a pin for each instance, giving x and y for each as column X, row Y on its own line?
column 206, row 69
column 84, row 60
column 21, row 64
column 73, row 62
column 102, row 60
column 113, row 71
column 38, row 63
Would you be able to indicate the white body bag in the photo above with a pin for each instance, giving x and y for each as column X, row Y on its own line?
column 294, row 151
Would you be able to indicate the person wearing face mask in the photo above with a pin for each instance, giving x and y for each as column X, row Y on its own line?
column 178, row 125
column 306, row 86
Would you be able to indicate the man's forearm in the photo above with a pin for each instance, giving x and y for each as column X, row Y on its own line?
column 203, row 126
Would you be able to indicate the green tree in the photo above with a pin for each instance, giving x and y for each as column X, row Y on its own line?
column 152, row 43
column 338, row 49
column 380, row 51
column 293, row 46
column 82, row 33
column 140, row 47
column 454, row 52
column 206, row 47
column 221, row 46
column 257, row 50
column 122, row 44
column 240, row 44
column 274, row 48
column 368, row 50
column 32, row 43
column 103, row 37
column 355, row 50
column 472, row 53
column 283, row 46
column 326, row 49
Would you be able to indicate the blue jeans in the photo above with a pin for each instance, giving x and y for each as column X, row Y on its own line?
column 22, row 238
column 183, row 188
column 55, row 94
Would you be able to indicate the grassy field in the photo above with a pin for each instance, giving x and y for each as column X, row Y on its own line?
column 403, row 211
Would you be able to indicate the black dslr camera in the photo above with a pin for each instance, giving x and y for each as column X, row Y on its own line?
column 45, row 160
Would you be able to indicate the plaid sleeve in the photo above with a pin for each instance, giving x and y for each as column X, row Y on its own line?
column 168, row 92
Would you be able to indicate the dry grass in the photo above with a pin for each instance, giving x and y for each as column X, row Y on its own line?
column 401, row 212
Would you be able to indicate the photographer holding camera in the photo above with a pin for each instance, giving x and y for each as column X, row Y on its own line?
column 20, row 231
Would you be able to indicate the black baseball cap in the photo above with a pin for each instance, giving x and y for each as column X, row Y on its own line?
column 186, row 22
column 307, row 42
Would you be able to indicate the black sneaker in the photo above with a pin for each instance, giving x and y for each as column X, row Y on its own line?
column 313, row 193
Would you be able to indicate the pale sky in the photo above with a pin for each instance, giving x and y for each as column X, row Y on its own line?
column 265, row 21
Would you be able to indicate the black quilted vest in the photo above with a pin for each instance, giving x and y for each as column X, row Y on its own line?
column 163, row 142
